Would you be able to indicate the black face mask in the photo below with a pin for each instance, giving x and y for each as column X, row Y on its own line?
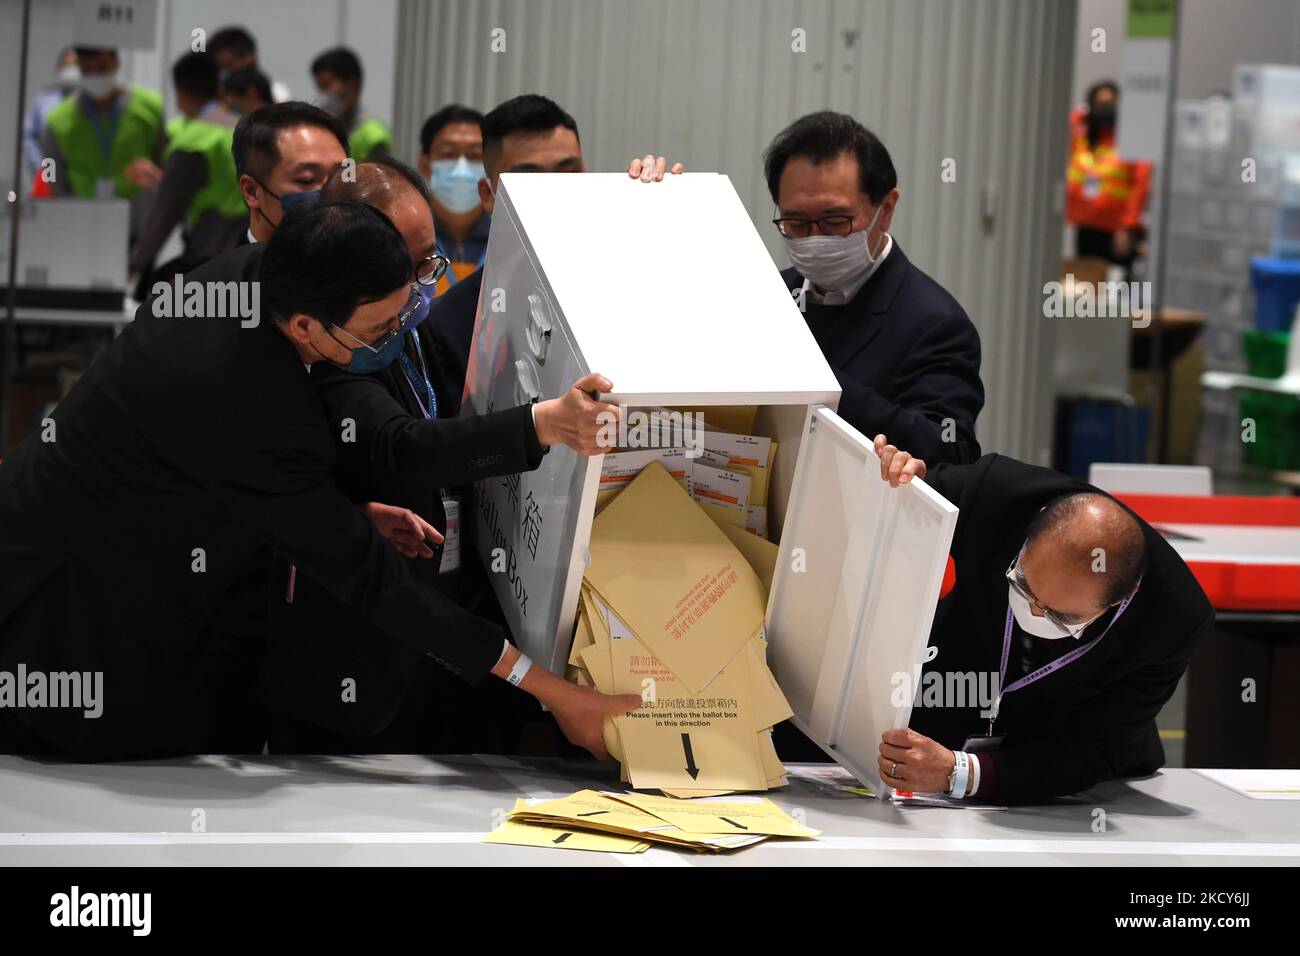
column 1102, row 116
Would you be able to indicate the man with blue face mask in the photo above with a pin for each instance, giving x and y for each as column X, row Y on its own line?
column 451, row 159
column 191, row 443
column 394, row 448
column 905, row 353
column 1067, row 627
column 283, row 155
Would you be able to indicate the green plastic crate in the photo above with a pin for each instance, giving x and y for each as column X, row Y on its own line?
column 1265, row 352
column 1277, row 430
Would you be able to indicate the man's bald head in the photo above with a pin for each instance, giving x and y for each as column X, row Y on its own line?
column 1089, row 536
column 395, row 189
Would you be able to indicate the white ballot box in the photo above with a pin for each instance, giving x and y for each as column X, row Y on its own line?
column 667, row 290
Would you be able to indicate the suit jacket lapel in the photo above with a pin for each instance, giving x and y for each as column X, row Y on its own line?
column 866, row 314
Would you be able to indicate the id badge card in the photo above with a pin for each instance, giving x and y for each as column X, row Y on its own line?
column 451, row 544
column 982, row 744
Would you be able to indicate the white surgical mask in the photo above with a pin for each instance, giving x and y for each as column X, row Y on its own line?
column 835, row 263
column 331, row 103
column 68, row 76
column 98, row 85
column 1029, row 622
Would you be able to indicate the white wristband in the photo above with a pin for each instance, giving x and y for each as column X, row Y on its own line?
column 975, row 774
column 517, row 673
column 961, row 774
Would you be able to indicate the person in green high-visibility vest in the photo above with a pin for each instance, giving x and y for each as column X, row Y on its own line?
column 199, row 185
column 106, row 138
column 337, row 73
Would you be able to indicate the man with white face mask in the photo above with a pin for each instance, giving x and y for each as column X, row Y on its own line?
column 906, row 355
column 1067, row 628
column 98, row 135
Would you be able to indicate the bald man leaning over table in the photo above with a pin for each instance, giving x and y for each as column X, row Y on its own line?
column 1085, row 615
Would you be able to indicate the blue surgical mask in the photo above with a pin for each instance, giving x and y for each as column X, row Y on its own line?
column 454, row 183
column 364, row 360
column 368, row 358
column 289, row 202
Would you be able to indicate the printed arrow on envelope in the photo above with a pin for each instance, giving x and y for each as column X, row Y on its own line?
column 693, row 770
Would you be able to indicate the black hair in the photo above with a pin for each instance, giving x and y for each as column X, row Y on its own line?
column 1126, row 554
column 256, row 147
column 239, row 81
column 95, row 51
column 455, row 113
column 235, row 40
column 824, row 135
column 195, row 74
column 376, row 182
column 327, row 260
column 529, row 113
column 1097, row 87
column 340, row 61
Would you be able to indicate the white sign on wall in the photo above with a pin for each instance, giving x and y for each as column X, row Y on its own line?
column 124, row 24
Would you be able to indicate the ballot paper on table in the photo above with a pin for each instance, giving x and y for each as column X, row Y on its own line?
column 593, row 811
column 1281, row 784
column 560, row 837
column 752, row 815
column 675, row 579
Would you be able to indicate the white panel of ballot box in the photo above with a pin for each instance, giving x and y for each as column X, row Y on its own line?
column 667, row 290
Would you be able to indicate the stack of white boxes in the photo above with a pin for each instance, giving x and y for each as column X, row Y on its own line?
column 1231, row 200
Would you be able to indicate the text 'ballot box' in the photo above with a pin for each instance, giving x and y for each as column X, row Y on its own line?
column 667, row 290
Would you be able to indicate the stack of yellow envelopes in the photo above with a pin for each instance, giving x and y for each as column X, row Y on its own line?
column 672, row 610
column 630, row 822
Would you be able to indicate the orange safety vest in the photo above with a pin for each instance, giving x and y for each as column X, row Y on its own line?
column 1103, row 191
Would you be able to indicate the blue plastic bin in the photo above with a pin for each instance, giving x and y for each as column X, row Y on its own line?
column 1277, row 290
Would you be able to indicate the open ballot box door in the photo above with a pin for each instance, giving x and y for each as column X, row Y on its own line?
column 667, row 290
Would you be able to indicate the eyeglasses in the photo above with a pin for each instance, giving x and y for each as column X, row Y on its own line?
column 1015, row 577
column 431, row 269
column 413, row 303
column 796, row 228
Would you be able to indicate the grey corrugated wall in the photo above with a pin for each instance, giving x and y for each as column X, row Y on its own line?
column 709, row 82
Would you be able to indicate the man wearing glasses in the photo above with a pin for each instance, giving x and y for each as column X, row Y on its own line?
column 393, row 447
column 192, row 443
column 1076, row 615
column 905, row 353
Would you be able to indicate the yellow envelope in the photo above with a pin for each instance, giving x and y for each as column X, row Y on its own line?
column 557, row 838
column 674, row 578
column 717, row 816
column 722, row 514
column 769, row 703
column 682, row 739
column 737, row 419
column 760, row 553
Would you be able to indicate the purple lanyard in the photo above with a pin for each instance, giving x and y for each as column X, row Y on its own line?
column 1048, row 668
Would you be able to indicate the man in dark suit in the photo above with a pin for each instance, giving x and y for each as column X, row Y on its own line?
column 394, row 447
column 196, row 438
column 905, row 353
column 1079, row 614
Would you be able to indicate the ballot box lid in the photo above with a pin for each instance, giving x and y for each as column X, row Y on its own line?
column 857, row 581
column 666, row 289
